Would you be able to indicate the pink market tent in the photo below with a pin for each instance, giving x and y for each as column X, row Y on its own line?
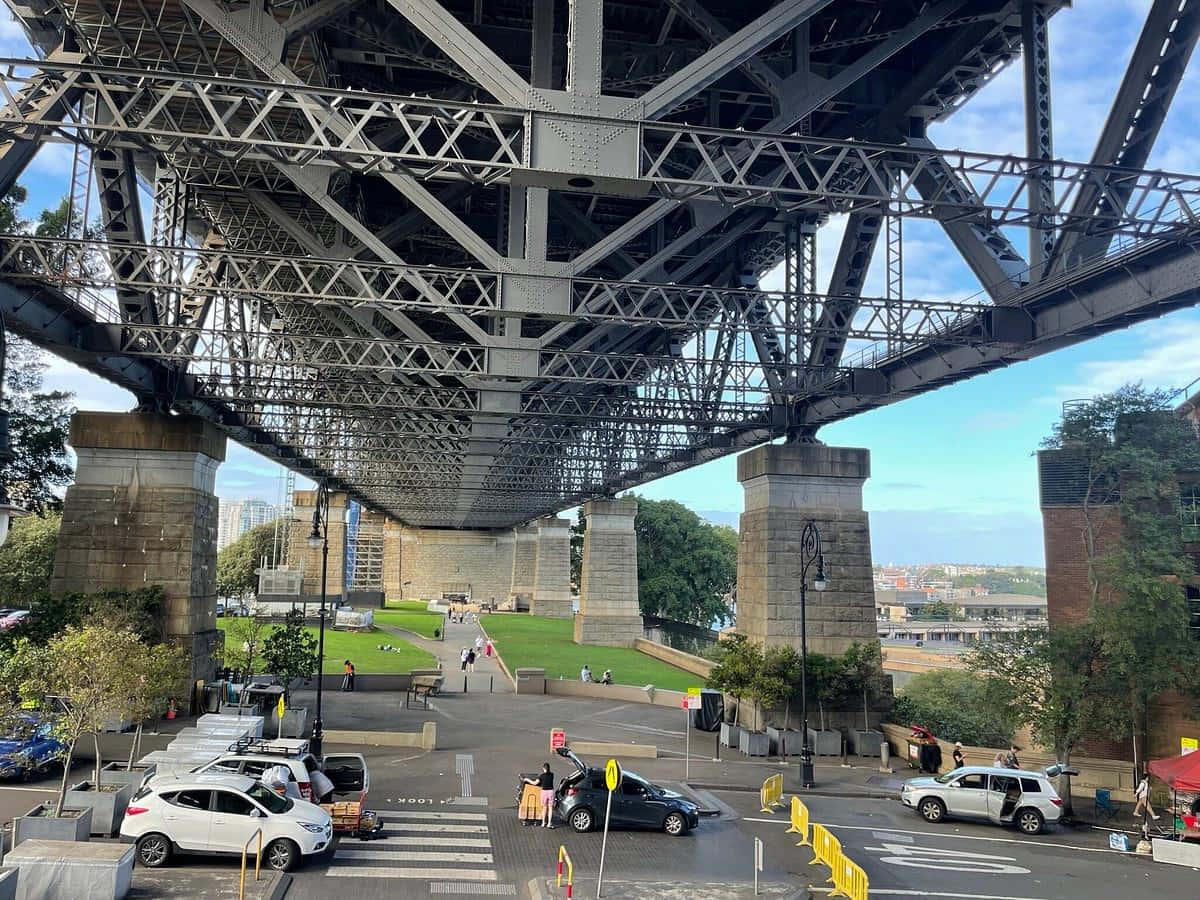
column 1181, row 773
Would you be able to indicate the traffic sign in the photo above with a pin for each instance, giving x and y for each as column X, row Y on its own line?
column 558, row 738
column 693, row 692
column 691, row 702
column 279, row 707
column 612, row 774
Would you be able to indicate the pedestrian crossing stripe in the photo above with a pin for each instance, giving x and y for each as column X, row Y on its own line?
column 439, row 828
column 464, row 816
column 402, row 850
column 426, row 874
column 414, row 856
column 412, row 840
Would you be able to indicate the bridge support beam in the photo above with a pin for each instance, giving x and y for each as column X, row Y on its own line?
column 143, row 512
column 608, row 590
column 787, row 486
column 552, row 569
column 524, row 569
column 303, row 557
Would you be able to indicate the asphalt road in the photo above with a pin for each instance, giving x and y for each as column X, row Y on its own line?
column 904, row 856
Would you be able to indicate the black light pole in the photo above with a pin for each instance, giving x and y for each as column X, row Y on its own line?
column 810, row 552
column 319, row 538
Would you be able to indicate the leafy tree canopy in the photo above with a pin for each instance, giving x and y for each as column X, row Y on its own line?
column 290, row 651
column 238, row 563
column 27, row 558
column 958, row 706
column 38, row 428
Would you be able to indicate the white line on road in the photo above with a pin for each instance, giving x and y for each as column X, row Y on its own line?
column 419, row 826
column 902, row 892
column 414, row 856
column 609, row 712
column 474, row 817
column 429, row 874
column 416, row 841
column 13, row 787
column 965, row 837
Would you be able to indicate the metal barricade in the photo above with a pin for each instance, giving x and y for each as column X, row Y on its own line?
column 257, row 862
column 827, row 850
column 849, row 880
column 771, row 793
column 799, row 815
column 564, row 855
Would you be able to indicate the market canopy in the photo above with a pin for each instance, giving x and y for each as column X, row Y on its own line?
column 1180, row 772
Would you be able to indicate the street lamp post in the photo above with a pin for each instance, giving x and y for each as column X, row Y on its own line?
column 810, row 552
column 318, row 538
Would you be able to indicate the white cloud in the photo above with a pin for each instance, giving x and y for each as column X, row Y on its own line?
column 1167, row 354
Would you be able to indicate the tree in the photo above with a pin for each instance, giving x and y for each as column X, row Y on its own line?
column 84, row 678
column 237, row 564
column 938, row 610
column 1051, row 681
column 162, row 674
column 290, row 652
column 38, row 427
column 862, row 671
column 957, row 705
column 10, row 210
column 1129, row 448
column 686, row 566
column 244, row 640
column 735, row 672
column 27, row 558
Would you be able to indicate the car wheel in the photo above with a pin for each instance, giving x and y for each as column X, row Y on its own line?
column 675, row 825
column 582, row 820
column 1030, row 821
column 153, row 850
column 282, row 855
column 932, row 809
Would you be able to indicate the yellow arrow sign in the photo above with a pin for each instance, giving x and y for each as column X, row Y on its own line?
column 694, row 691
column 612, row 774
column 279, row 707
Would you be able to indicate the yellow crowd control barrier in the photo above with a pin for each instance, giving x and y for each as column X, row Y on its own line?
column 849, row 880
column 799, row 822
column 771, row 793
column 827, row 850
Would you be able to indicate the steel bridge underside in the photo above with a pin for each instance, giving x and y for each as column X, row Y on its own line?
column 477, row 262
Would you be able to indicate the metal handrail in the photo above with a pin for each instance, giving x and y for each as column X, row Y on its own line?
column 564, row 855
column 257, row 862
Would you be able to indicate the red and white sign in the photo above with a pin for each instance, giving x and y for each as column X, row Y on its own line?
column 691, row 701
column 558, row 738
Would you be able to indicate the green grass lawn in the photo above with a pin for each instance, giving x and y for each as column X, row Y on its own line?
column 411, row 617
column 407, row 605
column 362, row 650
column 523, row 640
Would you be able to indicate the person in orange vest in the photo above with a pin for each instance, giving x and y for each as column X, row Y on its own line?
column 348, row 680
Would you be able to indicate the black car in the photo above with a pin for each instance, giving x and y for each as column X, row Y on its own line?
column 636, row 803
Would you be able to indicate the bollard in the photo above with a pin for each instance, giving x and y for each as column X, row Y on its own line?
column 885, row 757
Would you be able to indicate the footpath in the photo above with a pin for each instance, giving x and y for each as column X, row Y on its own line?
column 458, row 635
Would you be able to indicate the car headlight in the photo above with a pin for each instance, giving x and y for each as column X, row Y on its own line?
column 315, row 829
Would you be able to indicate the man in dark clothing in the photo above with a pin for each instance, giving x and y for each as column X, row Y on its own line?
column 545, row 783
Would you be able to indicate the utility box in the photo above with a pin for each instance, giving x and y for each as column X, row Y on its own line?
column 531, row 681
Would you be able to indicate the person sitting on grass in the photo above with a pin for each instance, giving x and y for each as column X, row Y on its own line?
column 606, row 678
column 585, row 674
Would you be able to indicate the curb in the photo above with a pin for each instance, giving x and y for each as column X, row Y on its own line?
column 279, row 889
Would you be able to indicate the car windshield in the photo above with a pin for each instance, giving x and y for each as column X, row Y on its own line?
column 947, row 778
column 268, row 798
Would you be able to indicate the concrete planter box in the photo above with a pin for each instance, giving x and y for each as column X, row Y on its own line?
column 117, row 773
column 530, row 680
column 754, row 743
column 64, row 870
column 108, row 804
column 785, row 741
column 864, row 743
column 731, row 735
column 40, row 824
column 8, row 884
column 232, row 709
column 1177, row 853
column 295, row 719
column 825, row 743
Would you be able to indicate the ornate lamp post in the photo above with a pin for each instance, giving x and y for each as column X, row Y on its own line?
column 318, row 539
column 810, row 552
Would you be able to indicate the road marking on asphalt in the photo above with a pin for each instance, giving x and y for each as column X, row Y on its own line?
column 418, row 826
column 13, row 787
column 609, row 712
column 464, row 765
column 646, row 729
column 892, row 837
column 407, row 840
column 962, row 837
column 907, row 892
column 427, row 874
column 415, row 856
column 468, row 816
column 947, row 860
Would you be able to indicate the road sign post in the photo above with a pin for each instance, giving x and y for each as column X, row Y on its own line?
column 279, row 713
column 690, row 702
column 558, row 738
column 612, row 780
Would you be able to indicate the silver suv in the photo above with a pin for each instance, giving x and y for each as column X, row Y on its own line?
column 1001, row 796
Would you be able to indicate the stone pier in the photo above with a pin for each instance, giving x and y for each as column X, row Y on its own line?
column 143, row 512
column 303, row 557
column 524, row 567
column 787, row 486
column 552, row 569
column 608, row 590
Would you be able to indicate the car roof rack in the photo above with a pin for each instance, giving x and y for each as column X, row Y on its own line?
column 278, row 747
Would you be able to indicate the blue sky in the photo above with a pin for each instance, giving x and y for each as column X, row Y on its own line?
column 953, row 476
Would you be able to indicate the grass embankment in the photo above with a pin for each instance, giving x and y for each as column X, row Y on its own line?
column 362, row 648
column 411, row 617
column 524, row 640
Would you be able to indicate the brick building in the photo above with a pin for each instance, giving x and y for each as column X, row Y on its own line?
column 1062, row 488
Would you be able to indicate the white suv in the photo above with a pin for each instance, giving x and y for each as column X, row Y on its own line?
column 219, row 814
column 293, row 755
column 1001, row 796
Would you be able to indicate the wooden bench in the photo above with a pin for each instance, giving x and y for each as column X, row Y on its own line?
column 422, row 688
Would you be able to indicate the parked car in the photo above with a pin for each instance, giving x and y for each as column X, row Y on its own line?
column 30, row 752
column 1001, row 796
column 11, row 618
column 582, row 796
column 219, row 814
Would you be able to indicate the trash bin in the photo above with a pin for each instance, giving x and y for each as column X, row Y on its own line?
column 711, row 712
column 914, row 754
column 213, row 694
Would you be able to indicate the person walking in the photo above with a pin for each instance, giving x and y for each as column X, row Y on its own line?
column 959, row 759
column 487, row 649
column 462, row 657
column 478, row 644
column 470, row 660
column 1142, row 796
column 545, row 783
column 348, row 678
